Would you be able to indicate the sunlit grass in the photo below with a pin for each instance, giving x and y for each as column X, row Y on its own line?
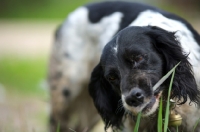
column 45, row 9
column 53, row 9
column 23, row 76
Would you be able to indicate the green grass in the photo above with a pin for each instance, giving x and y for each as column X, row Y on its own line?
column 58, row 128
column 137, row 122
column 166, row 119
column 23, row 76
column 38, row 9
column 196, row 124
column 160, row 122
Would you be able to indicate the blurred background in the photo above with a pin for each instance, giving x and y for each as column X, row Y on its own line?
column 26, row 35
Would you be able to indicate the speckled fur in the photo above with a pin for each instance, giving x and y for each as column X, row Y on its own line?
column 75, row 52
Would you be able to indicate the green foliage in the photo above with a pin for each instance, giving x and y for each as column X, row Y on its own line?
column 23, row 76
column 137, row 122
column 168, row 103
column 160, row 82
column 160, row 123
column 39, row 9
column 58, row 128
column 59, row 9
column 197, row 122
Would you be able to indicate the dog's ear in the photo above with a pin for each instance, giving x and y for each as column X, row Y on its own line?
column 106, row 100
column 184, row 84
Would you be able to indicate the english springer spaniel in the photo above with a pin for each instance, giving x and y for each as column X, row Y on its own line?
column 138, row 45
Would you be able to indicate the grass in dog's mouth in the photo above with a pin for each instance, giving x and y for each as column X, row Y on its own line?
column 137, row 122
column 149, row 105
column 159, row 97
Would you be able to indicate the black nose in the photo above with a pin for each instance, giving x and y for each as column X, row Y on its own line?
column 135, row 97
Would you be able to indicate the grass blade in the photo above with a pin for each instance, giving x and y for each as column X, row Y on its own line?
column 160, row 116
column 167, row 106
column 58, row 128
column 137, row 122
column 197, row 122
column 164, row 77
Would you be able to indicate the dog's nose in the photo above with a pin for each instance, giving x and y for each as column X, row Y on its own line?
column 135, row 97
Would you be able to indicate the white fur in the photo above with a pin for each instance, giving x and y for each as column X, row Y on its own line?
column 115, row 48
column 106, row 28
column 83, row 41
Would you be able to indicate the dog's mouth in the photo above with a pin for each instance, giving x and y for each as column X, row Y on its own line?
column 147, row 108
column 153, row 104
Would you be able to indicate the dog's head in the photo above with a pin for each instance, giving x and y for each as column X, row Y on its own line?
column 131, row 64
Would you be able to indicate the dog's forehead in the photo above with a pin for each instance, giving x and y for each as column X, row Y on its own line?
column 132, row 36
column 133, row 39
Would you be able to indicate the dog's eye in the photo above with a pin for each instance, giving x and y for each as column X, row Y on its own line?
column 139, row 58
column 111, row 78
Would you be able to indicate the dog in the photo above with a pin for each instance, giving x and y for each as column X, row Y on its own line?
column 137, row 44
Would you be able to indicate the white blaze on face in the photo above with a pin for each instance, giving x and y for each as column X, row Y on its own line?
column 115, row 48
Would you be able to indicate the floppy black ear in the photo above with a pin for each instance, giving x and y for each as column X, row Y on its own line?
column 184, row 84
column 106, row 100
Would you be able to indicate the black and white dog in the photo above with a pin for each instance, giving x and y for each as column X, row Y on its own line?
column 139, row 44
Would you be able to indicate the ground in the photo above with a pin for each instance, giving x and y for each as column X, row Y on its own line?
column 24, row 52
